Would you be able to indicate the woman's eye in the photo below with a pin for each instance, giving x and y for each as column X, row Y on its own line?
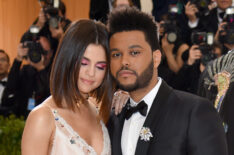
column 101, row 66
column 84, row 62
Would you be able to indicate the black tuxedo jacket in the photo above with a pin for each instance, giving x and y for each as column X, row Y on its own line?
column 181, row 124
column 227, row 114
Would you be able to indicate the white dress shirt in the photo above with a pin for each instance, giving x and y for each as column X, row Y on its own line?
column 2, row 89
column 133, row 125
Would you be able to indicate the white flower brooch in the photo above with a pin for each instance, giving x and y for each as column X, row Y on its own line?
column 145, row 134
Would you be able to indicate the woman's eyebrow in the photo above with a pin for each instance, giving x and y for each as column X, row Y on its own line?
column 101, row 62
column 97, row 62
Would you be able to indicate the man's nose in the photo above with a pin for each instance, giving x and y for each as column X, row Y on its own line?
column 125, row 60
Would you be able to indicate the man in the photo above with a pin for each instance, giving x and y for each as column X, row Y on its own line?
column 5, row 109
column 4, row 68
column 170, row 122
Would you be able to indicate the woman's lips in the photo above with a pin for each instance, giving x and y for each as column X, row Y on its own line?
column 87, row 81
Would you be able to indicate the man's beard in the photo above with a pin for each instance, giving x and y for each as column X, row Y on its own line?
column 142, row 80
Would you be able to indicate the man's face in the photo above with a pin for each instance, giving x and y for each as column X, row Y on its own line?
column 132, row 60
column 223, row 4
column 4, row 64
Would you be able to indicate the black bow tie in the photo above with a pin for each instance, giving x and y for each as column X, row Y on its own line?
column 221, row 15
column 3, row 83
column 141, row 107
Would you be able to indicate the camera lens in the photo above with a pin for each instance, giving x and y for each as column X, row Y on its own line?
column 34, row 56
column 171, row 37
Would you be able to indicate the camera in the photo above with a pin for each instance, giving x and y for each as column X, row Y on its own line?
column 35, row 49
column 202, row 6
column 198, row 38
column 205, row 41
column 227, row 34
column 170, row 25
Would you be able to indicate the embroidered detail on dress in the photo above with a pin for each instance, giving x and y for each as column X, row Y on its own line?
column 72, row 141
column 75, row 139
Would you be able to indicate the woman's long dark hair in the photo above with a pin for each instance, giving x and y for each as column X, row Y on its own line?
column 66, row 66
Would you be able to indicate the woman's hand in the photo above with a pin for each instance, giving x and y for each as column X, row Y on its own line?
column 167, row 47
column 190, row 11
column 194, row 54
column 119, row 100
column 21, row 52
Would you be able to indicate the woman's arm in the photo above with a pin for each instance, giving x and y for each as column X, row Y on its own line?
column 174, row 62
column 37, row 132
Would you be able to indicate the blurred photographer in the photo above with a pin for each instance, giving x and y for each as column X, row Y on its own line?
column 172, row 45
column 196, row 58
column 52, row 17
column 29, row 84
column 225, row 32
column 55, row 12
column 204, row 18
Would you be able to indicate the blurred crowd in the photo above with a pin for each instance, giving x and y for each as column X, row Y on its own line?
column 196, row 37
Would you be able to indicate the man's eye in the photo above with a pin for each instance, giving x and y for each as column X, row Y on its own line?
column 134, row 53
column 116, row 55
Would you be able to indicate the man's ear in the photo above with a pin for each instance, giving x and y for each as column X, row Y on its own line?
column 157, row 58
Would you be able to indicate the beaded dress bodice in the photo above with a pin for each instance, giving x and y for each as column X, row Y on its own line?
column 67, row 141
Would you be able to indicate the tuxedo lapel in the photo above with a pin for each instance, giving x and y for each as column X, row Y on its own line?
column 152, row 121
column 118, row 123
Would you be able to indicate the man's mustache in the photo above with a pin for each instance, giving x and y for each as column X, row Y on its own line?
column 125, row 68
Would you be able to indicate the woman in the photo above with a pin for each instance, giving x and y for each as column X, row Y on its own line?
column 68, row 122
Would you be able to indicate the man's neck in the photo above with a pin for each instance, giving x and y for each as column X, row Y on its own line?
column 138, row 94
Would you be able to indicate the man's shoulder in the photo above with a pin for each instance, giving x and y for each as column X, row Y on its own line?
column 189, row 98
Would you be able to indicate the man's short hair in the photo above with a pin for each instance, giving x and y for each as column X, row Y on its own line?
column 8, row 59
column 130, row 19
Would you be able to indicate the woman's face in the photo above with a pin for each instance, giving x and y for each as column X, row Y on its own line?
column 92, row 69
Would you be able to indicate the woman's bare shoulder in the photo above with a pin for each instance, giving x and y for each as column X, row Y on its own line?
column 42, row 114
column 38, row 129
